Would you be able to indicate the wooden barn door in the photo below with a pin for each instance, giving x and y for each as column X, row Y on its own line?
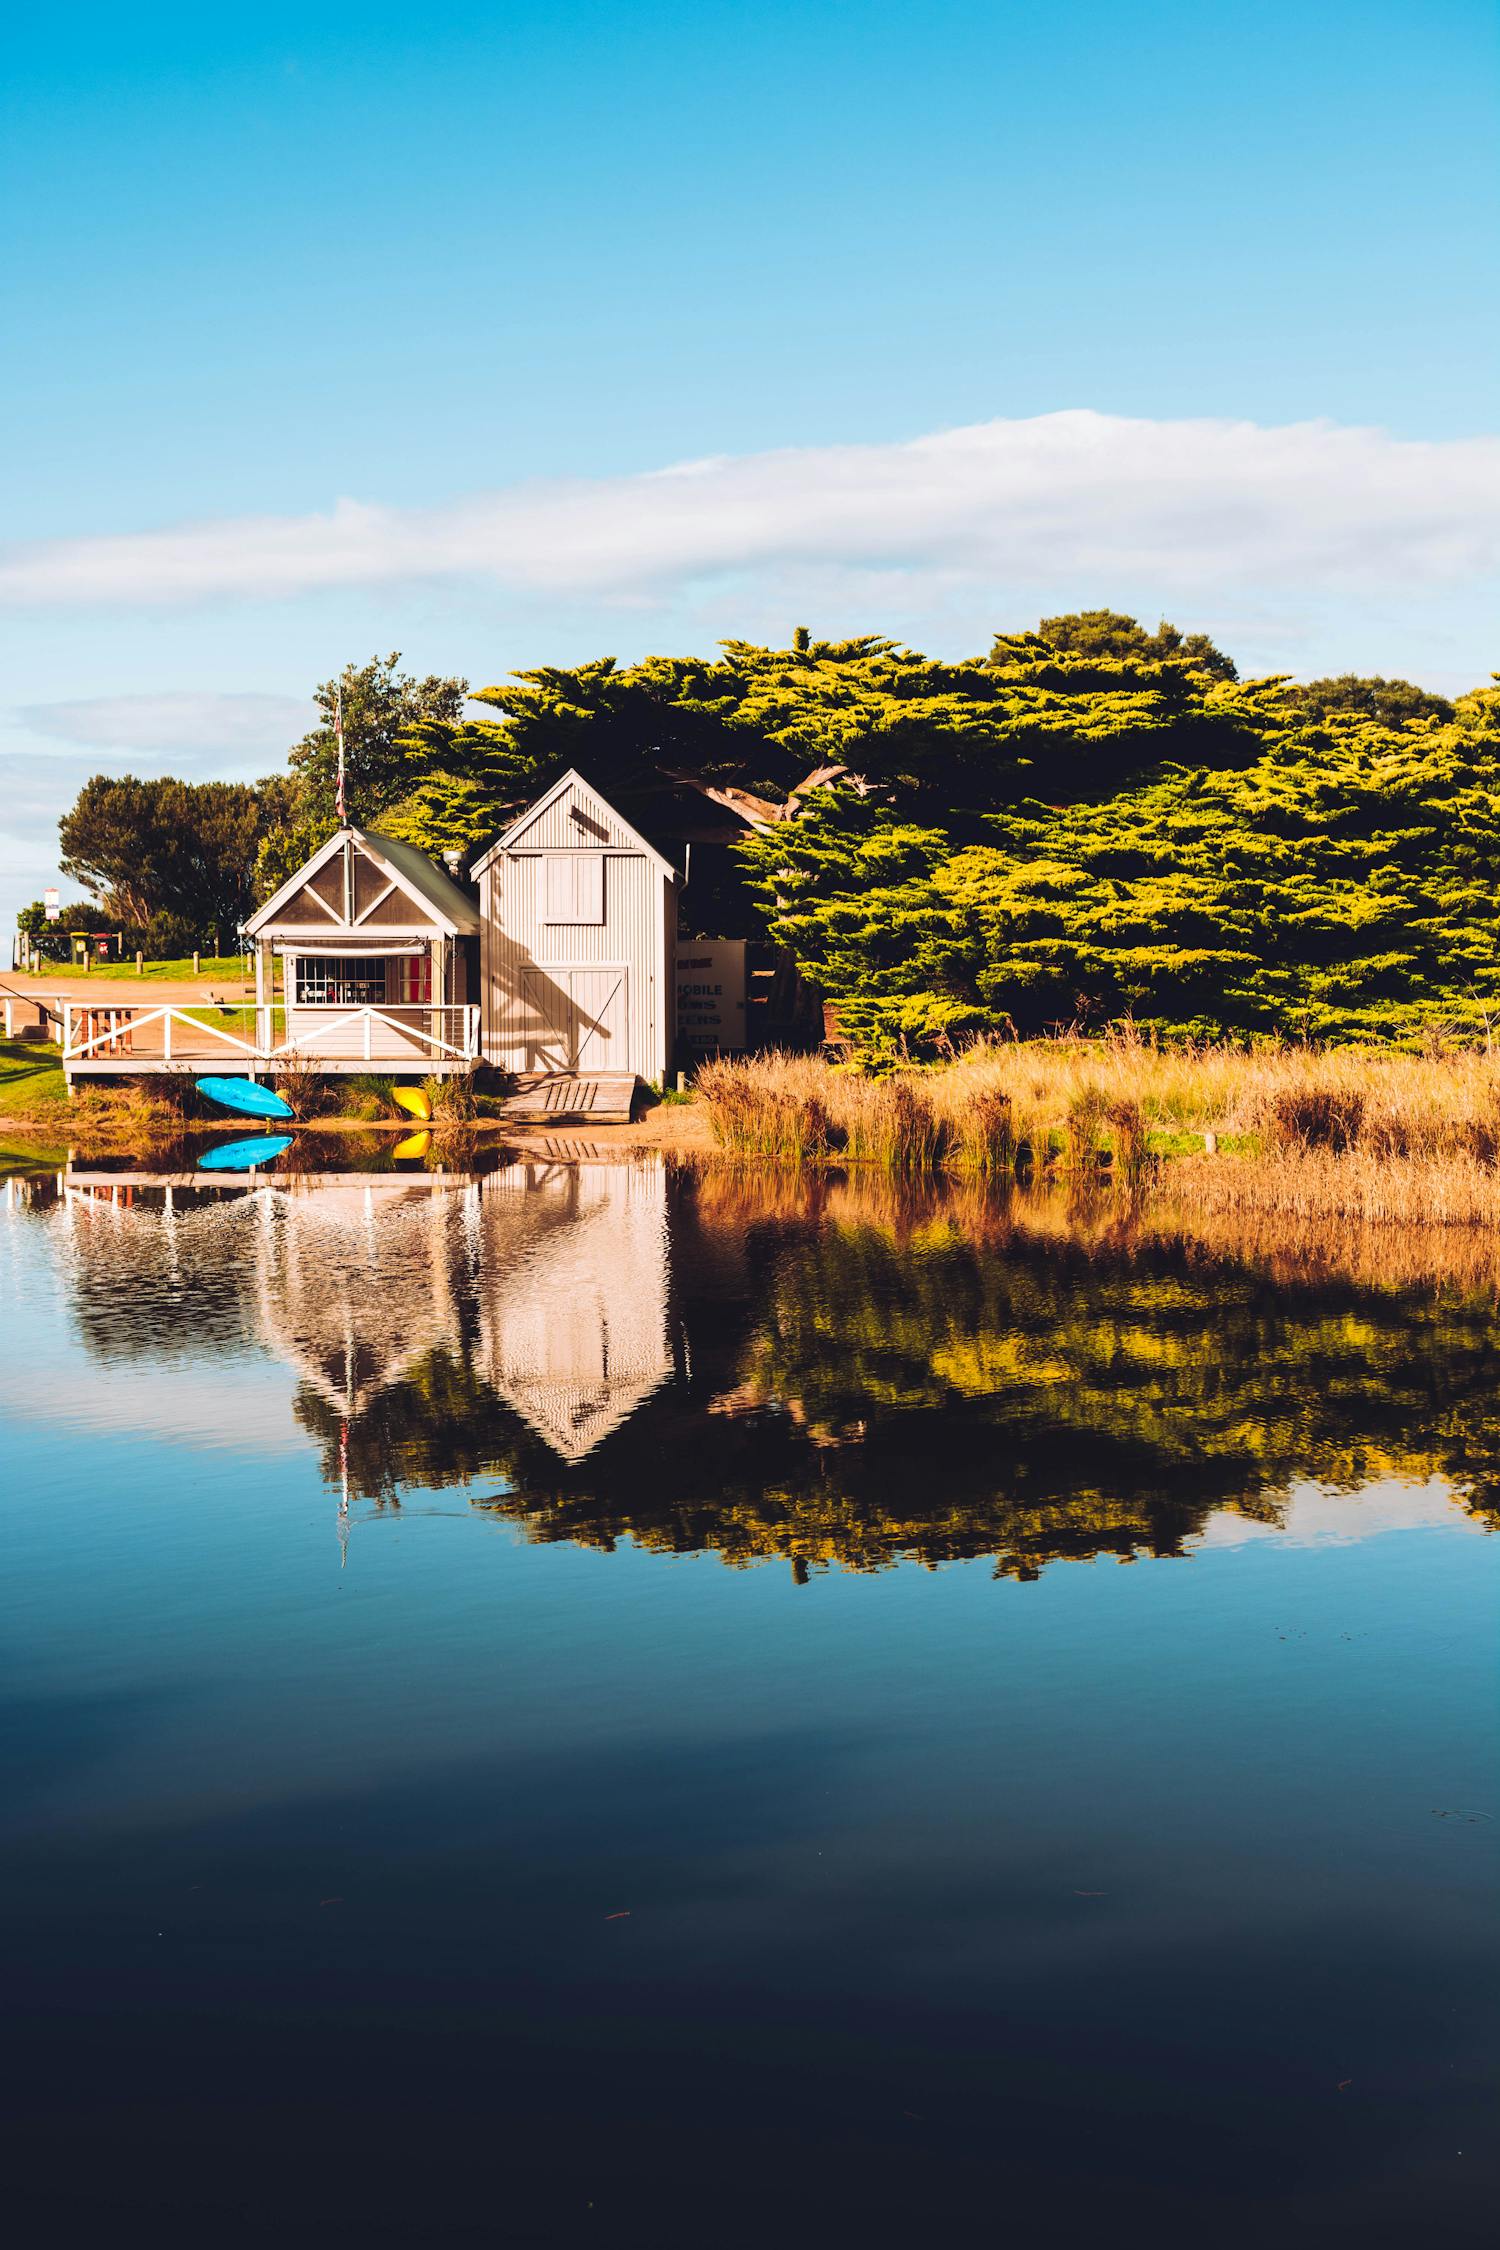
column 603, row 1035
column 548, row 1019
column 576, row 1019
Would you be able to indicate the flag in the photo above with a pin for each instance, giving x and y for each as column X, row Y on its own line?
column 338, row 736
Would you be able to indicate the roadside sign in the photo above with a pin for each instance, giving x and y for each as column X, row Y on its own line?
column 711, row 994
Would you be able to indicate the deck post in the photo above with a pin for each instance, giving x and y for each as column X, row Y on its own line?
column 367, row 1035
column 263, row 1041
column 166, row 1038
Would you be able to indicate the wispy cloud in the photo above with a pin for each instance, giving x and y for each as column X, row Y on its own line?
column 1078, row 496
column 216, row 732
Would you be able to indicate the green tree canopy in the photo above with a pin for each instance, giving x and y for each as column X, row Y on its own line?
column 1061, row 718
column 384, row 711
column 1395, row 703
column 171, row 851
column 1108, row 632
column 1344, row 884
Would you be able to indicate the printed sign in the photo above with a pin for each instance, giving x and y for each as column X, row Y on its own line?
column 711, row 994
column 51, row 905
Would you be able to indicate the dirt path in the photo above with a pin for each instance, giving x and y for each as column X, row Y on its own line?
column 123, row 992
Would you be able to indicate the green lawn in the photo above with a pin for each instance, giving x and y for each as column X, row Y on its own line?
column 238, row 1020
column 31, row 1079
column 221, row 966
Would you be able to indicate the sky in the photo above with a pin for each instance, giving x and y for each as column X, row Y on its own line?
column 525, row 334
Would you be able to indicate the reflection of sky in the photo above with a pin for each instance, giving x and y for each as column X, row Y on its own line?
column 1169, row 1841
column 1311, row 1515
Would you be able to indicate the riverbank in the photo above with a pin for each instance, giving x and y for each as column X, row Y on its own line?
column 1277, row 1135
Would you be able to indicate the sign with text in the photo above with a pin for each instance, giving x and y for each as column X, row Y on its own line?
column 711, row 994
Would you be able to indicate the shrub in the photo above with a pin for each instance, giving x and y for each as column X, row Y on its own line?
column 453, row 1101
column 983, row 1132
column 1317, row 1117
column 1087, row 1112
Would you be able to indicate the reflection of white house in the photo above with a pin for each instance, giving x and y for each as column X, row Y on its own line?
column 352, row 1283
column 356, row 1283
column 573, row 1314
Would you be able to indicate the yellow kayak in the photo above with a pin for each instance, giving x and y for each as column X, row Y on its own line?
column 413, row 1101
column 415, row 1144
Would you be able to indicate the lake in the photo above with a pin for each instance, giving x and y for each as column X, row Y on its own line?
column 607, row 1704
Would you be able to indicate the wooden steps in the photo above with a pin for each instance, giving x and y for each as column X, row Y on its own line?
column 604, row 1098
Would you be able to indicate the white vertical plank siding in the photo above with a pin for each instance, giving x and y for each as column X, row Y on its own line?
column 521, row 944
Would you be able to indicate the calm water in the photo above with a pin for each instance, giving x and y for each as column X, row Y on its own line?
column 589, row 1705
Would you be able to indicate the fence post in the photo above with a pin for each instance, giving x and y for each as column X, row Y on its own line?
column 196, row 970
column 367, row 1035
column 67, row 1028
column 166, row 1044
column 140, row 964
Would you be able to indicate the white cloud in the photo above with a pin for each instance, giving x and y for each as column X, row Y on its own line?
column 216, row 731
column 1072, row 498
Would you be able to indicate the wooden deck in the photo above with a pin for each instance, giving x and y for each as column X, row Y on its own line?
column 605, row 1099
column 130, row 1039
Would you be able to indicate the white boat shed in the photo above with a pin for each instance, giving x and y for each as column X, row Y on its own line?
column 376, row 944
column 578, row 936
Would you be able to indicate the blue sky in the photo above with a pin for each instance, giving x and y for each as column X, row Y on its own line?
column 479, row 275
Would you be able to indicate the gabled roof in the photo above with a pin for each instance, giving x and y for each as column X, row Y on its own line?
column 572, row 779
column 402, row 864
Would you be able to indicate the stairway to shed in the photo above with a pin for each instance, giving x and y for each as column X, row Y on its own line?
column 604, row 1098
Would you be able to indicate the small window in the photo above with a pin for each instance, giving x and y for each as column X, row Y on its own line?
column 332, row 983
column 409, row 980
column 573, row 887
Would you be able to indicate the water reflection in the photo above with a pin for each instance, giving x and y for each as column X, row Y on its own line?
column 827, row 1372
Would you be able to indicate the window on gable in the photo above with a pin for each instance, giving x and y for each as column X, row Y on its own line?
column 573, row 887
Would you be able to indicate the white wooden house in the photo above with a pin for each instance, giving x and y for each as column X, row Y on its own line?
column 578, row 938
column 379, row 957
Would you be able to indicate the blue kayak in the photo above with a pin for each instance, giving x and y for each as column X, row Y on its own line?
column 243, row 1156
column 245, row 1096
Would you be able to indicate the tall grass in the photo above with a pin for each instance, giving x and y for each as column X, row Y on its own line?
column 1304, row 1130
column 798, row 1109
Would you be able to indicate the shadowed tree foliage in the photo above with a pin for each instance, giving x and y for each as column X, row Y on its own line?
column 1092, row 820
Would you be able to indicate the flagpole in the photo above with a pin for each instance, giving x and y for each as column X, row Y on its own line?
column 338, row 735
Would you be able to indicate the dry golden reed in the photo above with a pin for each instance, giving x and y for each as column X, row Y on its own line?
column 1363, row 1134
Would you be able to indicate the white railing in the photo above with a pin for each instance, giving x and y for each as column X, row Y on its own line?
column 427, row 1027
column 131, row 1035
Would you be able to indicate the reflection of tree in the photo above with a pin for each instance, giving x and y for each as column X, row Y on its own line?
column 865, row 1376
